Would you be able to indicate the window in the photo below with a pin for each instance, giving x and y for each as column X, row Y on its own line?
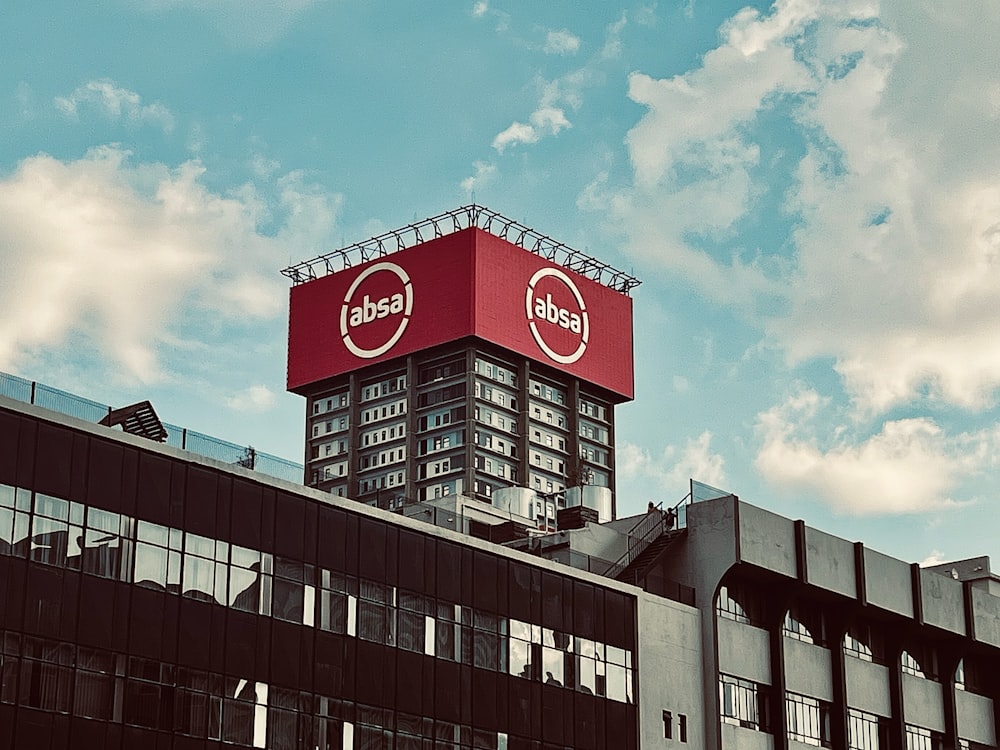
column 158, row 557
column 808, row 720
column 865, row 731
column 910, row 665
column 804, row 625
column 919, row 661
column 742, row 703
column 918, row 738
column 728, row 607
column 865, row 643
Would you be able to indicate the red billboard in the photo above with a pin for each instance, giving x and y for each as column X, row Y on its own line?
column 469, row 283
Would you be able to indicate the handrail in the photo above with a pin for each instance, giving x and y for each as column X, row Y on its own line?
column 644, row 533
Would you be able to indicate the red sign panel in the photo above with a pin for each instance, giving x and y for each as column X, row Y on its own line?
column 470, row 283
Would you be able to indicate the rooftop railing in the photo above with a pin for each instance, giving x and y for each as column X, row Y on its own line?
column 39, row 394
column 456, row 220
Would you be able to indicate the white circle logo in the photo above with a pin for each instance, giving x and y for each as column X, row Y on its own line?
column 371, row 325
column 555, row 306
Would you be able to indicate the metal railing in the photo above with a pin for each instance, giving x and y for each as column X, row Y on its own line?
column 653, row 525
column 656, row 522
column 39, row 394
column 464, row 217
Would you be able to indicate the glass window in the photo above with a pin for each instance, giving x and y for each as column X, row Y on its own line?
column 742, row 703
column 727, row 606
column 865, row 731
column 918, row 738
column 808, row 720
column 103, row 540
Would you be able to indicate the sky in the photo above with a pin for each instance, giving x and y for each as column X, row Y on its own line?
column 809, row 191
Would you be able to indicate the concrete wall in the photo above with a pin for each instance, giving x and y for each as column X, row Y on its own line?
column 700, row 560
column 923, row 702
column 830, row 563
column 808, row 669
column 670, row 676
column 767, row 539
column 986, row 614
column 867, row 686
column 943, row 602
column 738, row 738
column 599, row 541
column 888, row 583
column 744, row 651
column 975, row 717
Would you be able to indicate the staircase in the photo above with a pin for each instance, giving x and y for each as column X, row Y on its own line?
column 634, row 571
column 646, row 542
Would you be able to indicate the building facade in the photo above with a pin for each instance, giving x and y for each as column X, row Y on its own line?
column 153, row 598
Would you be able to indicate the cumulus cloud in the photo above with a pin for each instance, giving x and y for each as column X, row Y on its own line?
column 883, row 256
column 909, row 465
column 116, row 103
column 255, row 398
column 675, row 466
column 134, row 257
column 934, row 558
column 482, row 9
column 557, row 96
column 546, row 120
column 562, row 42
column 484, row 174
column 891, row 262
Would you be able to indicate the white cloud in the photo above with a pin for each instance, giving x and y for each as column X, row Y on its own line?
column 562, row 42
column 484, row 174
column 482, row 9
column 909, row 466
column 674, row 467
column 125, row 256
column 255, row 398
column 891, row 267
column 546, row 120
column 612, row 48
column 934, row 558
column 556, row 97
column 116, row 103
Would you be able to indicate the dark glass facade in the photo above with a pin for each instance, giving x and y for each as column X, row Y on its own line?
column 151, row 600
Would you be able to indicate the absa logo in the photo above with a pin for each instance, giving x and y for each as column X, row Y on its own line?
column 373, row 319
column 557, row 315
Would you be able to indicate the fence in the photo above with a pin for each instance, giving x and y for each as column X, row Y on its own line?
column 31, row 392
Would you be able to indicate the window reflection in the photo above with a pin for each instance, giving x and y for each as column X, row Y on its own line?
column 66, row 534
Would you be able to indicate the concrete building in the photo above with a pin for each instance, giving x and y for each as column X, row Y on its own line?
column 152, row 597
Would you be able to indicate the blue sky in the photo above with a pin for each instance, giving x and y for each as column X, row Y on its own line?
column 810, row 191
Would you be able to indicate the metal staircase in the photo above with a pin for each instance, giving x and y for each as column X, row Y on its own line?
column 647, row 540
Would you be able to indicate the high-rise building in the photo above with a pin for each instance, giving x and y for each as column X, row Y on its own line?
column 462, row 355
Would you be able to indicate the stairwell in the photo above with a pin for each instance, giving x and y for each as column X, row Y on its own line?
column 634, row 571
